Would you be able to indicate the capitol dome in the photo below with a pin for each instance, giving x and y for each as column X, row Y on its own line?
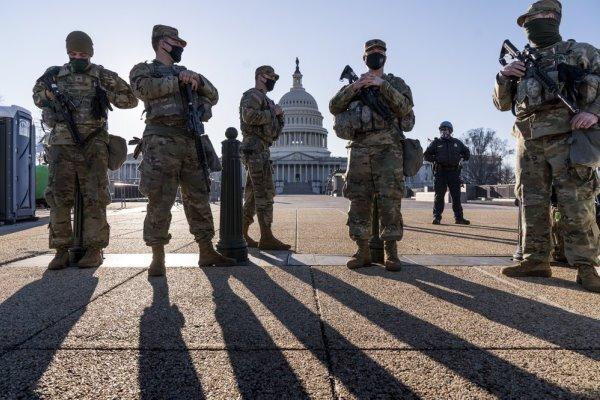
column 303, row 124
column 301, row 161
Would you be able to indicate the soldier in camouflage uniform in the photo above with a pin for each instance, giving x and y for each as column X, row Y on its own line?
column 169, row 152
column 82, row 82
column 261, row 122
column 375, row 165
column 543, row 128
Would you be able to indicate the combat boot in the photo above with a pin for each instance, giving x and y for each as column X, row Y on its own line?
column 157, row 266
column 267, row 240
column 436, row 221
column 210, row 257
column 92, row 258
column 462, row 221
column 528, row 268
column 60, row 260
column 587, row 276
column 392, row 261
column 249, row 241
column 362, row 258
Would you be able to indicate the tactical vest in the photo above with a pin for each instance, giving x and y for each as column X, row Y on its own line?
column 551, row 116
column 266, row 132
column 170, row 109
column 81, row 89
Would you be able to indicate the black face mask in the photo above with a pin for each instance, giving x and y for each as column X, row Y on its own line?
column 79, row 65
column 375, row 61
column 270, row 84
column 175, row 53
column 542, row 32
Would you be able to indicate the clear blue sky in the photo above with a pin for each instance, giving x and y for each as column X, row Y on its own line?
column 446, row 51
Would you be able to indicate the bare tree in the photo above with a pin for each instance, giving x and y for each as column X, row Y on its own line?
column 486, row 165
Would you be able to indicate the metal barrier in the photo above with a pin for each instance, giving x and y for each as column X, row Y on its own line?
column 123, row 191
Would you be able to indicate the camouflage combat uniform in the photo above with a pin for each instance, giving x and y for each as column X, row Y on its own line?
column 375, row 165
column 543, row 130
column 260, row 128
column 169, row 152
column 68, row 162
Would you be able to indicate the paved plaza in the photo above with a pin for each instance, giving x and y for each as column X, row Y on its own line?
column 296, row 324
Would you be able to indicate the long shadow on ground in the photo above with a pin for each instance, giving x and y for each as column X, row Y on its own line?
column 552, row 324
column 479, row 366
column 166, row 369
column 300, row 321
column 33, row 309
column 258, row 373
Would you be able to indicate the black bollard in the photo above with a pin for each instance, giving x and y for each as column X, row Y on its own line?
column 231, row 241
column 518, row 256
column 77, row 250
column 375, row 243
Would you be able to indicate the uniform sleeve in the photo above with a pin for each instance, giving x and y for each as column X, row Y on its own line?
column 147, row 87
column 465, row 153
column 399, row 100
column 39, row 93
column 503, row 93
column 590, row 61
column 407, row 123
column 118, row 91
column 250, row 110
column 429, row 154
column 339, row 103
column 208, row 90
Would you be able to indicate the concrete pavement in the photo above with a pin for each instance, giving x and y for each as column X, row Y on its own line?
column 449, row 325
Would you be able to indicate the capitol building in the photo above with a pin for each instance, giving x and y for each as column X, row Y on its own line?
column 301, row 161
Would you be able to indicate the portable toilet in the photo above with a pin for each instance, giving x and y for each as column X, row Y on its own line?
column 17, row 164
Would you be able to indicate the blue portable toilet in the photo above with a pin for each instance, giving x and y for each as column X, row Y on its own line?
column 17, row 164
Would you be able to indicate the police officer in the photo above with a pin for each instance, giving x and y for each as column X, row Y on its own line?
column 543, row 128
column 446, row 154
column 170, row 158
column 89, row 88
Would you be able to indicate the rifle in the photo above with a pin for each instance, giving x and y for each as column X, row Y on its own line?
column 65, row 105
column 196, row 127
column 369, row 95
column 531, row 58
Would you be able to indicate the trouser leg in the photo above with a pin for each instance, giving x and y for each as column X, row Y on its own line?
column 195, row 196
column 249, row 207
column 576, row 188
column 533, row 174
column 454, row 186
column 60, row 194
column 359, row 190
column 388, row 177
column 159, row 181
column 439, row 187
column 93, row 184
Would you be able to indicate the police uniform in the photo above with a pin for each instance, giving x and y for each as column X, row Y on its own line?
column 446, row 153
column 543, row 131
column 68, row 163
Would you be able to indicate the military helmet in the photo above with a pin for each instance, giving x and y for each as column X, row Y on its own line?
column 159, row 31
column 447, row 124
column 80, row 41
column 266, row 70
column 373, row 43
column 540, row 7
